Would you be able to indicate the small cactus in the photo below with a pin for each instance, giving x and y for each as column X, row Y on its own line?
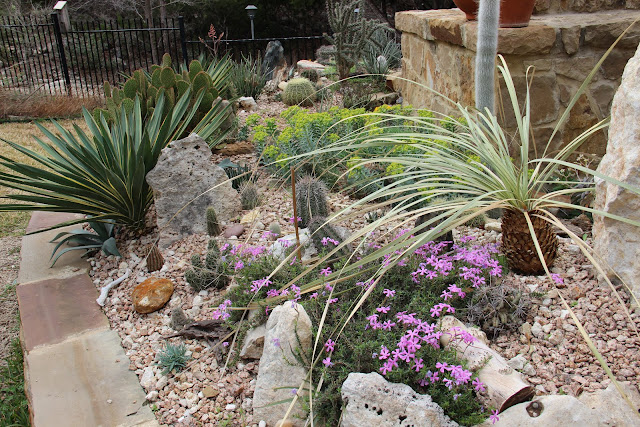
column 249, row 195
column 310, row 74
column 107, row 90
column 274, row 228
column 178, row 319
column 213, row 226
column 299, row 91
column 496, row 308
column 167, row 77
column 208, row 274
column 155, row 261
column 311, row 199
column 130, row 88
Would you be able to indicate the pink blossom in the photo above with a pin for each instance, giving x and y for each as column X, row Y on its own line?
column 327, row 362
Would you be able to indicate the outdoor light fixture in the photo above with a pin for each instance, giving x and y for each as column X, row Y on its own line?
column 251, row 11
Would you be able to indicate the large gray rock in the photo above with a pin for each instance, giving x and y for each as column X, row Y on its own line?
column 184, row 171
column 373, row 401
column 288, row 330
column 273, row 59
column 612, row 407
column 618, row 243
column 602, row 408
column 253, row 344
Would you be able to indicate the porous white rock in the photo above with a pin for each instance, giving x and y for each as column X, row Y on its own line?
column 373, row 401
column 185, row 183
column 616, row 242
column 287, row 330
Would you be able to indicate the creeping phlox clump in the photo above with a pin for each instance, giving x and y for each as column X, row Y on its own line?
column 394, row 332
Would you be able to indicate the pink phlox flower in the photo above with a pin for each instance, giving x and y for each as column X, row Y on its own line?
column 387, row 325
column 327, row 240
column 465, row 239
column 448, row 382
column 239, row 265
column 479, row 385
column 383, row 309
column 332, row 300
column 557, row 278
column 389, row 293
column 459, row 333
column 384, row 353
column 292, row 219
column 328, row 287
column 313, row 295
column 402, row 262
column 442, row 366
column 446, row 295
column 372, row 319
column 272, row 293
column 494, row 416
column 284, row 292
column 456, row 396
column 328, row 346
column 327, row 362
column 325, row 271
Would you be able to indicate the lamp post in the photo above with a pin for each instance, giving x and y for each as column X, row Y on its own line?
column 251, row 11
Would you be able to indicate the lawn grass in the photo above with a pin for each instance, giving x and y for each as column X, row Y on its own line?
column 14, row 223
column 14, row 408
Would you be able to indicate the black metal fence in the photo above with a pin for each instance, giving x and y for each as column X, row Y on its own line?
column 39, row 54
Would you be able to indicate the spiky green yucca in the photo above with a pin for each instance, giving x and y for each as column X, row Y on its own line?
column 299, row 91
column 311, row 199
column 213, row 227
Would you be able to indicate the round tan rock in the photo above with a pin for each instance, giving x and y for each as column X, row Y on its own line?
column 151, row 295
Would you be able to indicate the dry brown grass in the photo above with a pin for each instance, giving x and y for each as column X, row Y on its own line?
column 37, row 105
column 14, row 223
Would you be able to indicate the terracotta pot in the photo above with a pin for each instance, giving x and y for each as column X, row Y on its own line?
column 513, row 13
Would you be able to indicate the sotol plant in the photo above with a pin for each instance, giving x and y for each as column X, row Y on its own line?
column 299, row 91
column 311, row 199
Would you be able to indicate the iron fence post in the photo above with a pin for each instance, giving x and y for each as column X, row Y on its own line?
column 63, row 58
column 183, row 40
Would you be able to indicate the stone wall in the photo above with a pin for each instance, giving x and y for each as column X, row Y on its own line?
column 438, row 49
column 556, row 6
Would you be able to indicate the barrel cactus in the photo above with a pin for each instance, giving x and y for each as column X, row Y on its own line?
column 311, row 199
column 299, row 91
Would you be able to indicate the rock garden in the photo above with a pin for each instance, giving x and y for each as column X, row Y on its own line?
column 279, row 246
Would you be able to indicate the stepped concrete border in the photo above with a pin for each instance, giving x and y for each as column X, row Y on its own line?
column 76, row 372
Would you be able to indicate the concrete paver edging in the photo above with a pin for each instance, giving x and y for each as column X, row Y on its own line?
column 76, row 372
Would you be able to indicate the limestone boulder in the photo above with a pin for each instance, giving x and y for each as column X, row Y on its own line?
column 373, row 401
column 602, row 408
column 247, row 103
column 610, row 405
column 151, row 295
column 288, row 329
column 183, row 174
column 616, row 242
column 253, row 344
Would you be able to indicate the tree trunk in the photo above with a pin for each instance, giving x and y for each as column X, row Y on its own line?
column 148, row 15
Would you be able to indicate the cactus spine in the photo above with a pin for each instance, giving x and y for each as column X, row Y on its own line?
column 213, row 227
column 311, row 199
column 299, row 91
